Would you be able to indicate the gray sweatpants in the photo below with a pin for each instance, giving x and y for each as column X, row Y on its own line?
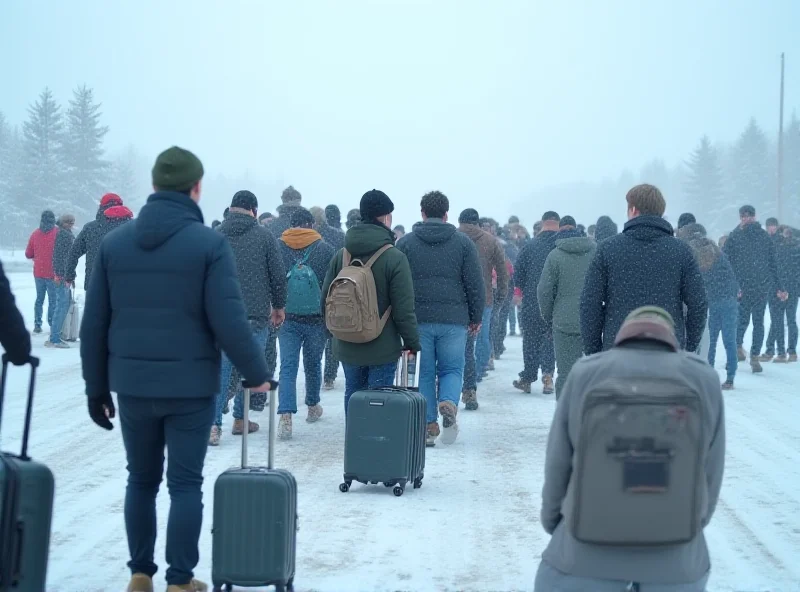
column 549, row 579
column 569, row 349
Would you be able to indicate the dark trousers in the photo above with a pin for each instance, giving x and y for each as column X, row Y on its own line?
column 537, row 347
column 271, row 349
column 753, row 304
column 470, row 375
column 778, row 311
column 331, row 363
column 500, row 325
column 148, row 426
column 569, row 349
column 512, row 317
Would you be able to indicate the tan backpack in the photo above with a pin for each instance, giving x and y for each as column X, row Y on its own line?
column 351, row 305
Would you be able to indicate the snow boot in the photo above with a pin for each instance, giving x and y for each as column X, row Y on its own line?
column 238, row 427
column 523, row 385
column 449, row 423
column 470, row 399
column 727, row 385
column 766, row 357
column 314, row 413
column 781, row 359
column 741, row 354
column 59, row 345
column 329, row 385
column 792, row 357
column 193, row 586
column 285, row 427
column 37, row 329
column 547, row 385
column 755, row 365
column 216, row 435
column 432, row 434
column 490, row 365
column 140, row 583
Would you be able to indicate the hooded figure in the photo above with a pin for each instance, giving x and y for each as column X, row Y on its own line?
column 40, row 248
column 330, row 234
column 353, row 218
column 291, row 200
column 333, row 216
column 605, row 228
column 89, row 238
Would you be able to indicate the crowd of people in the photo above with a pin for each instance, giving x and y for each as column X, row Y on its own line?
column 177, row 314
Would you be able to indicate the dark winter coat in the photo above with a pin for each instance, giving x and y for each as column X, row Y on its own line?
column 61, row 252
column 643, row 266
column 163, row 300
column 691, row 232
column 788, row 254
column 754, row 260
column 333, row 236
column 259, row 264
column 492, row 259
column 86, row 243
column 283, row 222
column 561, row 283
column 14, row 336
column 528, row 272
column 718, row 276
column 448, row 282
column 394, row 287
column 605, row 229
column 293, row 246
column 40, row 249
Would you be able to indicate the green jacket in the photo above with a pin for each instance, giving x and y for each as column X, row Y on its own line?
column 561, row 284
column 394, row 287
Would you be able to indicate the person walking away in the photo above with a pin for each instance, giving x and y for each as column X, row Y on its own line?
column 116, row 216
column 591, row 231
column 88, row 240
column 291, row 201
column 611, row 532
column 399, row 231
column 559, row 295
column 537, row 335
column 306, row 257
column 501, row 329
column 61, row 249
column 370, row 243
column 605, row 229
column 265, row 218
column 787, row 249
column 689, row 231
column 163, row 301
column 14, row 337
column 334, row 218
column 643, row 266
column 40, row 248
column 754, row 260
column 332, row 236
column 493, row 261
column 722, row 292
column 262, row 277
column 449, row 299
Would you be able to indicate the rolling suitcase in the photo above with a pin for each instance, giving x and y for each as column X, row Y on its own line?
column 27, row 508
column 385, row 435
column 71, row 328
column 254, row 534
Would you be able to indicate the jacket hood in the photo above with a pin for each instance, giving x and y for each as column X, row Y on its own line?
column 433, row 231
column 572, row 241
column 237, row 224
column 47, row 221
column 288, row 209
column 605, row 228
column 165, row 214
column 366, row 238
column 300, row 238
column 691, row 232
column 648, row 228
column 706, row 252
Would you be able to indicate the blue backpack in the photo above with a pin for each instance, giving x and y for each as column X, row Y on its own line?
column 303, row 291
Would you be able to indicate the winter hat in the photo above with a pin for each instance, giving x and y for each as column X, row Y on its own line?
column 176, row 169
column 245, row 200
column 649, row 322
column 302, row 218
column 567, row 221
column 469, row 216
column 686, row 219
column 291, row 196
column 110, row 199
column 333, row 215
column 119, row 212
column 374, row 204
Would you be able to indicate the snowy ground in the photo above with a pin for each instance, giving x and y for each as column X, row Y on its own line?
column 473, row 526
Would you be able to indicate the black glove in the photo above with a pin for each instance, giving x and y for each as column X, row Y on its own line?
column 102, row 410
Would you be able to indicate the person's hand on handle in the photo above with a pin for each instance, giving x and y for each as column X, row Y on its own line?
column 474, row 329
column 268, row 386
column 783, row 296
column 102, row 410
column 278, row 316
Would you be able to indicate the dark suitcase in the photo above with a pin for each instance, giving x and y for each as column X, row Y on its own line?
column 27, row 508
column 254, row 534
column 385, row 436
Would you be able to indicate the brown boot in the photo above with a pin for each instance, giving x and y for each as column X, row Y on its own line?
column 547, row 384
column 432, row 434
column 781, row 359
column 193, row 586
column 470, row 399
column 140, row 583
column 765, row 357
column 741, row 354
column 523, row 385
column 314, row 413
column 755, row 365
column 238, row 427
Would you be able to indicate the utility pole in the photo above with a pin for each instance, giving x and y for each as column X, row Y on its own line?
column 780, row 148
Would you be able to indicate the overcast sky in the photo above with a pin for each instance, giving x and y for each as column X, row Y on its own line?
column 484, row 100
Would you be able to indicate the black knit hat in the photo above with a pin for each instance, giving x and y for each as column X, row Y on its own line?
column 176, row 169
column 374, row 204
column 245, row 200
column 567, row 221
column 291, row 195
column 301, row 218
column 333, row 215
column 469, row 216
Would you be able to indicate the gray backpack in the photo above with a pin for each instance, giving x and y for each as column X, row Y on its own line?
column 639, row 472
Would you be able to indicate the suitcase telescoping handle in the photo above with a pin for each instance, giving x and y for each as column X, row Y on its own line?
column 272, row 395
column 408, row 369
column 34, row 362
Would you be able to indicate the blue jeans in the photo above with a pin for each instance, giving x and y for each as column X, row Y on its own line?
column 442, row 355
column 292, row 337
column 260, row 335
column 359, row 378
column 723, row 317
column 62, row 301
column 44, row 288
column 483, row 346
column 148, row 425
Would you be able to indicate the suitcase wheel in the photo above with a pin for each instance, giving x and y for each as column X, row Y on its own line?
column 225, row 587
column 398, row 491
column 345, row 487
column 417, row 482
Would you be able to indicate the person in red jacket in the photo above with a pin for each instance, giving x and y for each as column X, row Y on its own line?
column 40, row 249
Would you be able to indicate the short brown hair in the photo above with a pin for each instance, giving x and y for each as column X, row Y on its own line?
column 647, row 200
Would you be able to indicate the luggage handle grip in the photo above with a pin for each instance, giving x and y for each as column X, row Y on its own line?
column 34, row 364
column 272, row 395
column 402, row 375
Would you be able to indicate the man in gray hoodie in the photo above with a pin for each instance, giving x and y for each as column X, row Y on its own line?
column 645, row 350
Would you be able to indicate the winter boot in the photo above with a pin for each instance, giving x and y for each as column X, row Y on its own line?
column 523, row 385
column 216, row 434
column 140, row 583
column 58, row 345
column 781, row 359
column 329, row 385
column 792, row 357
column 238, row 428
column 37, row 329
column 766, row 357
column 470, row 399
column 755, row 365
column 741, row 354
column 285, row 426
column 432, row 434
column 314, row 413
column 193, row 586
column 449, row 423
column 490, row 365
column 547, row 385
column 727, row 385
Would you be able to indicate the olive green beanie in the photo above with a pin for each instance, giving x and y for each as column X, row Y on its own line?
column 176, row 169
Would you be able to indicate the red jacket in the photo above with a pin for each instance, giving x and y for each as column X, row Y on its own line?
column 40, row 249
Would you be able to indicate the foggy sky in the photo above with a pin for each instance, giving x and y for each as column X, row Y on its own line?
column 482, row 100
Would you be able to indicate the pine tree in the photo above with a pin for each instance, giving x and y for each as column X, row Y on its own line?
column 128, row 178
column 15, row 221
column 752, row 173
column 43, row 156
column 83, row 151
column 704, row 188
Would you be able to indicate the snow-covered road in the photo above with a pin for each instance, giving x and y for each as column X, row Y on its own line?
column 474, row 525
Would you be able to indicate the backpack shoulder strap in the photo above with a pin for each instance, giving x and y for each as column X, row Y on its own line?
column 345, row 257
column 377, row 254
column 308, row 251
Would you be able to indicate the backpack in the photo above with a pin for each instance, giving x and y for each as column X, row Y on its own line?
column 302, row 288
column 351, row 305
column 639, row 474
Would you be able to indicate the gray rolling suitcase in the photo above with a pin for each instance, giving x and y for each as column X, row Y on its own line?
column 254, row 535
column 385, row 436
column 27, row 509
